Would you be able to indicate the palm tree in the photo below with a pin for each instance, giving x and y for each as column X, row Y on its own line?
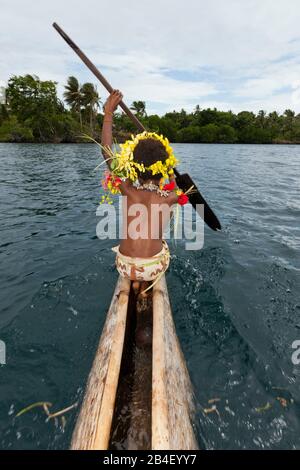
column 274, row 123
column 261, row 118
column 274, row 117
column 73, row 96
column 289, row 119
column 90, row 100
column 139, row 107
column 197, row 109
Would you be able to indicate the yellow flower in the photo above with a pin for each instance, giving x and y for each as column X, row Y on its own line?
column 106, row 200
column 124, row 166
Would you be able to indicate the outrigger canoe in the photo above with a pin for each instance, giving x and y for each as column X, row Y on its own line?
column 139, row 394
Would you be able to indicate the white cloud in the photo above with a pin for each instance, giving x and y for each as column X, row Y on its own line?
column 243, row 44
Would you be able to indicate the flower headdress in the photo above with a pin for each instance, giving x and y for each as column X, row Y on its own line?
column 123, row 164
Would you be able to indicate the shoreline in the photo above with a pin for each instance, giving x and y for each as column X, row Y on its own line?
column 197, row 143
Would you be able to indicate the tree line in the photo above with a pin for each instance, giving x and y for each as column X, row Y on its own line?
column 33, row 112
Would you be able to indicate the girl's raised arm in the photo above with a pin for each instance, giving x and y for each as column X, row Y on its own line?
column 109, row 108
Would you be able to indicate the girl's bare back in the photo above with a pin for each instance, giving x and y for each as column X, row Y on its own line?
column 146, row 215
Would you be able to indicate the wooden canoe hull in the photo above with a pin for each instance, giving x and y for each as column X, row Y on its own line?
column 172, row 393
column 92, row 430
column 172, row 396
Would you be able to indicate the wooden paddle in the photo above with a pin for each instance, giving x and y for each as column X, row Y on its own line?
column 184, row 181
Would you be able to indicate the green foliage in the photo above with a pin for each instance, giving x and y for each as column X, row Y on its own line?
column 35, row 104
column 123, row 123
column 162, row 125
column 255, row 135
column 189, row 134
column 67, row 128
column 153, row 123
column 244, row 119
column 33, row 113
column 209, row 133
column 12, row 131
column 28, row 96
column 3, row 113
column 226, row 134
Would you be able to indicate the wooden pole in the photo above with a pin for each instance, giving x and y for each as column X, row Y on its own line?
column 99, row 75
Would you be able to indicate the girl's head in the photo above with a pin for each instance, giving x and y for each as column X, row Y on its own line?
column 149, row 151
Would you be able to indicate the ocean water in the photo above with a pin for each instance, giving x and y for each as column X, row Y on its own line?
column 235, row 302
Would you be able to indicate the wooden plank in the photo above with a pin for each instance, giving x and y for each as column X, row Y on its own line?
column 160, row 428
column 92, row 430
column 172, row 393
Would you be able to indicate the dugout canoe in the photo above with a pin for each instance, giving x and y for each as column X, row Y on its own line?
column 161, row 413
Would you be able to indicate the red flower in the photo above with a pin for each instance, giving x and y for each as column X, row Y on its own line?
column 169, row 186
column 117, row 182
column 182, row 199
column 111, row 179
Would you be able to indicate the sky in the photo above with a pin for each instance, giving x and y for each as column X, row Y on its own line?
column 229, row 54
